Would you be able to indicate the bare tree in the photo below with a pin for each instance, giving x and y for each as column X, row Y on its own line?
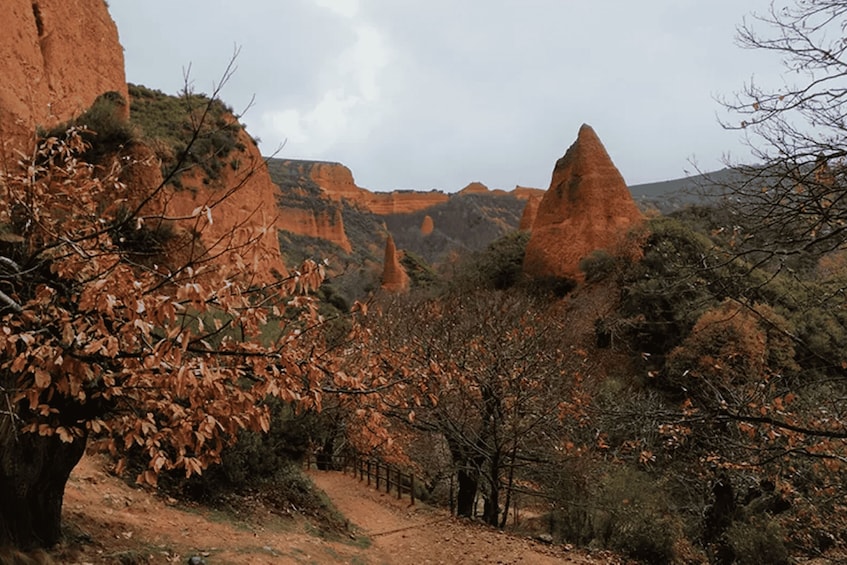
column 793, row 195
column 489, row 373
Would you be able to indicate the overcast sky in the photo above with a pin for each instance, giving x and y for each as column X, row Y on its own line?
column 439, row 93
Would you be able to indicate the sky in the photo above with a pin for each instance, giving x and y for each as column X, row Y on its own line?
column 436, row 94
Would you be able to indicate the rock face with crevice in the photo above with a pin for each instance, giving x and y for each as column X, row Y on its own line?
column 58, row 56
column 394, row 277
column 587, row 207
column 529, row 213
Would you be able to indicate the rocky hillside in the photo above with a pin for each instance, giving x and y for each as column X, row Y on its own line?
column 324, row 212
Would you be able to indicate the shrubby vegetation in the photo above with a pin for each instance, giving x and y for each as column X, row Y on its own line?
column 192, row 129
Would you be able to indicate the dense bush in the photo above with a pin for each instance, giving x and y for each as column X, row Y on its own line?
column 499, row 267
column 598, row 265
column 105, row 129
column 758, row 541
column 170, row 124
column 617, row 508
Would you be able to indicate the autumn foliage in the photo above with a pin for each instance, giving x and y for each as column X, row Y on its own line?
column 104, row 339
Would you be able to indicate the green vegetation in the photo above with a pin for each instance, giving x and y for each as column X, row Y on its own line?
column 104, row 128
column 186, row 130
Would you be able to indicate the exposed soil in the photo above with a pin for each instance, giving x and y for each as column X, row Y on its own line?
column 405, row 534
column 108, row 521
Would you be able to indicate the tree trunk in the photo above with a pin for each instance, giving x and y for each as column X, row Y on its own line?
column 33, row 472
column 492, row 502
column 468, row 483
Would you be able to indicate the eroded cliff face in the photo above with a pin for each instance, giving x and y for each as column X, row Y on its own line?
column 474, row 188
column 324, row 224
column 242, row 209
column 527, row 192
column 587, row 207
column 58, row 56
column 336, row 181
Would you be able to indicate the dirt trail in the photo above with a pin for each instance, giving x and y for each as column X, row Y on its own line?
column 403, row 534
column 115, row 523
column 110, row 522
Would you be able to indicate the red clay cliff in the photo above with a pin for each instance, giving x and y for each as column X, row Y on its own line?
column 58, row 56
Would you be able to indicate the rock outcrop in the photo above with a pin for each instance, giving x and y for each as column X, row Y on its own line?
column 427, row 225
column 587, row 207
column 526, row 192
column 243, row 206
column 394, row 277
column 56, row 58
column 324, row 224
column 529, row 213
column 403, row 201
column 474, row 188
column 336, row 181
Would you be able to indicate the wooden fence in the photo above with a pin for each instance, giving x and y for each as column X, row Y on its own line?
column 378, row 474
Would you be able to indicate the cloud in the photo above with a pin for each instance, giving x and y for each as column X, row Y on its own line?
column 348, row 108
column 344, row 8
column 436, row 94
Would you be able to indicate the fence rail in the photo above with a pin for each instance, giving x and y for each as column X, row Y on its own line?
column 381, row 475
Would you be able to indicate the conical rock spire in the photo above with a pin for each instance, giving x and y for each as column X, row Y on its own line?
column 587, row 207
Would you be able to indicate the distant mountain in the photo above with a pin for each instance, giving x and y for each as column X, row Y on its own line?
column 324, row 214
column 671, row 195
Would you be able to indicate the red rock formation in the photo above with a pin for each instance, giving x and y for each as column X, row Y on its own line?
column 56, row 58
column 394, row 277
column 249, row 212
column 525, row 192
column 529, row 213
column 587, row 207
column 475, row 188
column 427, row 226
column 403, row 201
column 336, row 181
column 328, row 225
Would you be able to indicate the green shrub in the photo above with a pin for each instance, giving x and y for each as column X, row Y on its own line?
column 550, row 287
column 105, row 129
column 499, row 267
column 421, row 274
column 171, row 124
column 622, row 509
column 635, row 517
column 759, row 541
column 597, row 266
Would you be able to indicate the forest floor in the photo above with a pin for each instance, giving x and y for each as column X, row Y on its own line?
column 108, row 521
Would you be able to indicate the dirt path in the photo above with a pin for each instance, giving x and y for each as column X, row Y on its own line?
column 115, row 523
column 411, row 535
column 110, row 522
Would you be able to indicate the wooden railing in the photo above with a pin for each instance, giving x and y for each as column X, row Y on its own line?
column 381, row 475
